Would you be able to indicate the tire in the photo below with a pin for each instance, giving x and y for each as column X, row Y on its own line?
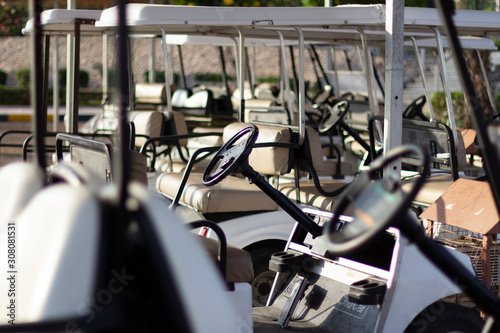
column 263, row 276
column 442, row 317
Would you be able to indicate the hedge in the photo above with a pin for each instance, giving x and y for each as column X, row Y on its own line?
column 22, row 77
column 3, row 77
column 21, row 96
column 459, row 107
column 83, row 79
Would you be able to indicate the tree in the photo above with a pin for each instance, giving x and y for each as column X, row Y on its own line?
column 12, row 19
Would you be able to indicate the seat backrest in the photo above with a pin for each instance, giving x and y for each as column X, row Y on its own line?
column 19, row 182
column 175, row 124
column 96, row 158
column 147, row 123
column 58, row 245
column 180, row 96
column 438, row 141
column 203, row 296
column 266, row 91
column 199, row 99
column 93, row 155
column 268, row 160
column 200, row 103
column 358, row 115
column 150, row 93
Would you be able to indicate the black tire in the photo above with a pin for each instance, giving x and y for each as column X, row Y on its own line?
column 263, row 276
column 442, row 317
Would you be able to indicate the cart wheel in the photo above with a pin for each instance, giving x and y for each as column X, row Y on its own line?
column 263, row 276
column 442, row 317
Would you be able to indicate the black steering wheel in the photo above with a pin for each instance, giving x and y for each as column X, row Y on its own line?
column 414, row 110
column 333, row 116
column 373, row 203
column 231, row 155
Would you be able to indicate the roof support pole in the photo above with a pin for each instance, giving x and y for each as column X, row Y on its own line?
column 444, row 78
column 68, row 120
column 284, row 78
column 73, row 122
column 39, row 118
column 105, row 76
column 55, row 84
column 302, row 87
column 424, row 81
column 393, row 109
column 368, row 70
column 486, row 82
column 241, row 75
column 167, row 71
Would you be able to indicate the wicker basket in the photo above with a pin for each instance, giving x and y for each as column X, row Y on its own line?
column 470, row 243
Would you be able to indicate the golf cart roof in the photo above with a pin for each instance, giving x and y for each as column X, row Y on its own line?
column 62, row 21
column 473, row 43
column 315, row 21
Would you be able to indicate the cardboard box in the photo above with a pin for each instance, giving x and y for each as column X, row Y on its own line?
column 467, row 204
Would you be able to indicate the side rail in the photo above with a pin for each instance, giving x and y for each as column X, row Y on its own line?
column 91, row 154
column 28, row 148
column 435, row 138
column 150, row 145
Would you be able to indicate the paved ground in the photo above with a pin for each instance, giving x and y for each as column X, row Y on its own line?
column 18, row 118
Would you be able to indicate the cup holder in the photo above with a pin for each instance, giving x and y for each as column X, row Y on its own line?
column 370, row 291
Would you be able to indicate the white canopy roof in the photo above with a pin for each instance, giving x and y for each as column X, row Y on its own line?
column 315, row 21
column 62, row 21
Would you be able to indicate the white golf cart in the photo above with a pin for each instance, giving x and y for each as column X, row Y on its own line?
column 65, row 285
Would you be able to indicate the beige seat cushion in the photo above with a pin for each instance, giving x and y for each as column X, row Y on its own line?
column 239, row 262
column 309, row 195
column 432, row 189
column 150, row 93
column 147, row 123
column 231, row 195
column 329, row 167
column 234, row 194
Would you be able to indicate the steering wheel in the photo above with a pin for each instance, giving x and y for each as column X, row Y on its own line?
column 231, row 155
column 333, row 116
column 414, row 110
column 374, row 203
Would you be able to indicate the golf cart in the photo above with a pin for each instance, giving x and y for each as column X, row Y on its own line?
column 126, row 227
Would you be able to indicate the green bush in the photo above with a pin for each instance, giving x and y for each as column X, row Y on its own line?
column 459, row 108
column 273, row 79
column 83, row 79
column 268, row 79
column 14, row 95
column 210, row 77
column 3, row 77
column 21, row 96
column 497, row 101
column 160, row 77
column 23, row 77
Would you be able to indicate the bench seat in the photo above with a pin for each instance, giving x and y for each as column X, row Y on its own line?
column 432, row 189
column 239, row 262
column 231, row 195
column 309, row 195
